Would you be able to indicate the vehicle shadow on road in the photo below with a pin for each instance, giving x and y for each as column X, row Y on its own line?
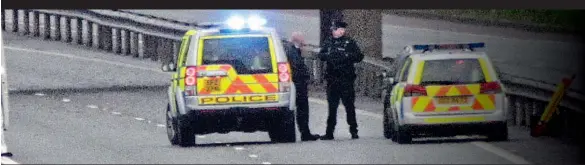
column 233, row 144
column 454, row 140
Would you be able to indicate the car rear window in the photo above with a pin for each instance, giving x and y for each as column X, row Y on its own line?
column 248, row 55
column 452, row 71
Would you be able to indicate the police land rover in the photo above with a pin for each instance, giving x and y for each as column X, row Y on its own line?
column 444, row 90
column 232, row 77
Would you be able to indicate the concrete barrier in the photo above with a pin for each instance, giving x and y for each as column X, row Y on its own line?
column 33, row 23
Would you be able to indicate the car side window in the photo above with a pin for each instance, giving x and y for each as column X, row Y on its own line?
column 405, row 70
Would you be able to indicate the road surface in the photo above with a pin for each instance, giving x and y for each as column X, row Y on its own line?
column 540, row 56
column 126, row 125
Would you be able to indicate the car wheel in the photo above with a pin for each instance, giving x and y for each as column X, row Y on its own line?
column 401, row 135
column 171, row 127
column 498, row 132
column 283, row 129
column 184, row 131
column 387, row 124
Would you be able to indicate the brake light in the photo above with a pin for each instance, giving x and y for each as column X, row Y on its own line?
column 490, row 88
column 284, row 77
column 191, row 76
column 414, row 90
column 283, row 72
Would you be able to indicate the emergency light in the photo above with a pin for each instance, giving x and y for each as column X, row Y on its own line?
column 253, row 22
column 449, row 46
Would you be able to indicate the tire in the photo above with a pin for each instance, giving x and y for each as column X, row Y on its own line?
column 283, row 128
column 171, row 125
column 179, row 130
column 401, row 134
column 498, row 132
column 386, row 123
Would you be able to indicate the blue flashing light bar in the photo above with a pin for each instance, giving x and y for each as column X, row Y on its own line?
column 450, row 46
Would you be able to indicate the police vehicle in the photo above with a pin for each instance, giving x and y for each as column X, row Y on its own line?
column 444, row 90
column 231, row 77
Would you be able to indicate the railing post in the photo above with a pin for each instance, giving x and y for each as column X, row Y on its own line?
column 124, row 42
column 22, row 22
column 519, row 111
column 3, row 20
column 64, row 22
column 85, row 32
column 10, row 19
column 141, row 45
column 75, row 38
column 511, row 109
column 43, row 26
column 95, row 33
column 33, row 23
column 54, row 26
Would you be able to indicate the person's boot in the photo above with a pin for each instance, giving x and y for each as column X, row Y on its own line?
column 354, row 136
column 7, row 154
column 309, row 137
column 327, row 137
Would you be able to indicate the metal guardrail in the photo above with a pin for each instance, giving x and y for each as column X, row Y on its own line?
column 144, row 36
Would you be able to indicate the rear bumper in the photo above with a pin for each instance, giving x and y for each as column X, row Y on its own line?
column 192, row 103
column 236, row 119
column 412, row 119
column 479, row 128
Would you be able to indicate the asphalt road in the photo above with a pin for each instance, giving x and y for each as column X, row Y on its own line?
column 126, row 126
column 540, row 56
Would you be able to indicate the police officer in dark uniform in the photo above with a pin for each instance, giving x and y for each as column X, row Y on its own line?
column 300, row 77
column 340, row 54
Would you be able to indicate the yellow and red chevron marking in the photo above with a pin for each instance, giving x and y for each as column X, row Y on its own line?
column 453, row 90
column 426, row 104
column 238, row 84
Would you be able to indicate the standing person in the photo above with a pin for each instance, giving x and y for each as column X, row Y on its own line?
column 300, row 77
column 340, row 53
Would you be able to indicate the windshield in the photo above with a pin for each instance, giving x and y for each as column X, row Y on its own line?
column 248, row 55
column 452, row 71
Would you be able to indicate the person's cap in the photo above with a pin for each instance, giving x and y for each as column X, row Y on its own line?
column 339, row 24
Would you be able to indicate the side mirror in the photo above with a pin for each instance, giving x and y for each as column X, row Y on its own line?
column 391, row 80
column 170, row 67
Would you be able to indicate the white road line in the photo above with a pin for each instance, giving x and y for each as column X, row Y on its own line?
column 483, row 145
column 6, row 160
column 357, row 111
column 501, row 152
column 66, row 100
column 201, row 136
column 161, row 125
column 239, row 148
column 39, row 94
column 253, row 156
column 92, row 106
column 266, row 163
column 139, row 119
column 84, row 58
column 116, row 113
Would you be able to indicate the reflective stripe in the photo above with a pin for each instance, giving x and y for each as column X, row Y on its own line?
column 484, row 68
column 426, row 104
column 418, row 74
column 453, row 90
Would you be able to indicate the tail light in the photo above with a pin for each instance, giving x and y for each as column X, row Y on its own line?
column 284, row 77
column 190, row 80
column 490, row 88
column 414, row 90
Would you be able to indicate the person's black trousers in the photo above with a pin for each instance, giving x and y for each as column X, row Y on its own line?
column 302, row 102
column 345, row 91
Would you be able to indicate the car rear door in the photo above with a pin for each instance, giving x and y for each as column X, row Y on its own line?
column 453, row 87
column 237, row 69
